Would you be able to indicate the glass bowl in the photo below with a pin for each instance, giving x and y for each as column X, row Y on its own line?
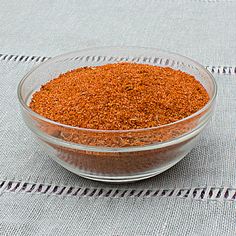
column 116, row 155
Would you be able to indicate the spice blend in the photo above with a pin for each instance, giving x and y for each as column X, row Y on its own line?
column 125, row 97
column 120, row 96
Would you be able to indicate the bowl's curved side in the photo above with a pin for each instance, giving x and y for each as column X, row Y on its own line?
column 116, row 155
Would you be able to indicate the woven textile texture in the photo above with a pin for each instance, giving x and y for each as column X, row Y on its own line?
column 52, row 215
column 201, row 29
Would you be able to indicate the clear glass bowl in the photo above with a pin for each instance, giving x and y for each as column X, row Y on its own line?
column 116, row 155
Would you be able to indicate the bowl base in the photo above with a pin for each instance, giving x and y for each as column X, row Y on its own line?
column 118, row 179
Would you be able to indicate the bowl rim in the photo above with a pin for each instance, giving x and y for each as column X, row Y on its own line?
column 50, row 60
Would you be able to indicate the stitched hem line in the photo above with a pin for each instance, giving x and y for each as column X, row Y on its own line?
column 208, row 193
column 222, row 69
column 20, row 58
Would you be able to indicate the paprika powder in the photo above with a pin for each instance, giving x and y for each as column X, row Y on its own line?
column 121, row 97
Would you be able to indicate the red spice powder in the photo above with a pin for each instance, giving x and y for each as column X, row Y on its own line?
column 120, row 96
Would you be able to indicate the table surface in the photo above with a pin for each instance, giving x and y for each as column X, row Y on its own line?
column 195, row 197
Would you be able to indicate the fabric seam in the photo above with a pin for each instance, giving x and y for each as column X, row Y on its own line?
column 195, row 193
column 214, row 69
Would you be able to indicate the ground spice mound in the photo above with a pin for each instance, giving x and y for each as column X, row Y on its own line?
column 120, row 96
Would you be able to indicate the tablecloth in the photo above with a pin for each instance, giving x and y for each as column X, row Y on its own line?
column 195, row 197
